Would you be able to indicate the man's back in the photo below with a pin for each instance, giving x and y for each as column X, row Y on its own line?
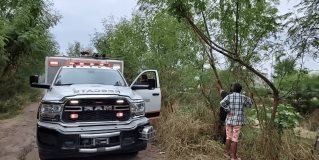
column 234, row 104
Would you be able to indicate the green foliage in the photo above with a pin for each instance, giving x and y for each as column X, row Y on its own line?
column 285, row 67
column 154, row 42
column 25, row 41
column 74, row 50
column 287, row 116
column 298, row 87
column 304, row 30
column 263, row 92
column 256, row 22
column 124, row 40
column 302, row 92
column 240, row 30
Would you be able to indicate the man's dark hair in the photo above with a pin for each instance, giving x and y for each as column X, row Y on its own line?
column 236, row 87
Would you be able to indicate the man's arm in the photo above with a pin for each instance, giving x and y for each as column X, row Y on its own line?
column 225, row 103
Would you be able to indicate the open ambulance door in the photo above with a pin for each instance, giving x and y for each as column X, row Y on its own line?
column 150, row 94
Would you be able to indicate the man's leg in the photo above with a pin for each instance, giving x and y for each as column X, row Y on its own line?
column 229, row 135
column 233, row 147
column 224, row 134
column 228, row 147
column 233, row 150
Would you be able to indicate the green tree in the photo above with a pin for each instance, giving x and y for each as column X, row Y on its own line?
column 74, row 49
column 124, row 40
column 156, row 41
column 304, row 29
column 242, row 27
column 25, row 40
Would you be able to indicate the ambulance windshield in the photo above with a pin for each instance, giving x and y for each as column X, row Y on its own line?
column 70, row 76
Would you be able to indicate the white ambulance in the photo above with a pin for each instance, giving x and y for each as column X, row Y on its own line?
column 90, row 109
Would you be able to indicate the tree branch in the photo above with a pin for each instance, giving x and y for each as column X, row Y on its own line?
column 210, row 54
column 237, row 30
column 227, row 53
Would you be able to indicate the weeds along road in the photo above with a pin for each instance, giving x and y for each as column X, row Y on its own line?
column 18, row 141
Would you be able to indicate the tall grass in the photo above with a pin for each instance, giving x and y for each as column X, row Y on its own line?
column 11, row 106
column 188, row 132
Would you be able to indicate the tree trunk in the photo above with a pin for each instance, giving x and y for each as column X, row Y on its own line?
column 231, row 55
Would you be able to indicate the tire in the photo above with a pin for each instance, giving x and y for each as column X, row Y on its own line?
column 43, row 156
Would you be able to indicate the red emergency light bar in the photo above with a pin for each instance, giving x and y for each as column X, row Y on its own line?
column 53, row 63
column 82, row 63
column 88, row 64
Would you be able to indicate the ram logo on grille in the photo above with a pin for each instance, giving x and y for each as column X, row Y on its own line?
column 97, row 108
column 94, row 110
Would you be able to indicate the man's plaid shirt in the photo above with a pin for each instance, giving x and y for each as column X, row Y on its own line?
column 234, row 104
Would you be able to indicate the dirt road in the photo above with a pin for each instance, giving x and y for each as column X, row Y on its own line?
column 17, row 135
column 17, row 140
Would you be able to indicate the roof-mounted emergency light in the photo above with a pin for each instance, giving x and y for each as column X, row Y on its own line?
column 99, row 64
column 53, row 63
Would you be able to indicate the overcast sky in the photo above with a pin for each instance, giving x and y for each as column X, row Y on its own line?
column 81, row 18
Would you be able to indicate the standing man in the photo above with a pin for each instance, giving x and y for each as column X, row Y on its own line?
column 222, row 114
column 234, row 105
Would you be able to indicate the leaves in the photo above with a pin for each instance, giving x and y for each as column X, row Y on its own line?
column 304, row 30
column 25, row 41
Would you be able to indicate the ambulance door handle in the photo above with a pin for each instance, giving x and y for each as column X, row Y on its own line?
column 155, row 94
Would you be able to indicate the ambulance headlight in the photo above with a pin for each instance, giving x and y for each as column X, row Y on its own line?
column 50, row 112
column 138, row 108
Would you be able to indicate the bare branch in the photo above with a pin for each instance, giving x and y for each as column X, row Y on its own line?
column 237, row 30
column 210, row 54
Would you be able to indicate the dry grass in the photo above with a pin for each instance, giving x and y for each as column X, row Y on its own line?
column 312, row 121
column 294, row 147
column 185, row 137
column 189, row 135
column 268, row 144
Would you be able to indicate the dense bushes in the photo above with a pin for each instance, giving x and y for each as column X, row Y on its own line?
column 25, row 41
column 12, row 105
column 287, row 116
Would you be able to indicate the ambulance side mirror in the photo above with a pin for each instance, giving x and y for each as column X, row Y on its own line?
column 34, row 82
column 34, row 79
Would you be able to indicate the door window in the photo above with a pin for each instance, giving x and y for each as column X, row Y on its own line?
column 147, row 78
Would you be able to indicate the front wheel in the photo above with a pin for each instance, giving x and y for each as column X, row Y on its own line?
column 42, row 156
